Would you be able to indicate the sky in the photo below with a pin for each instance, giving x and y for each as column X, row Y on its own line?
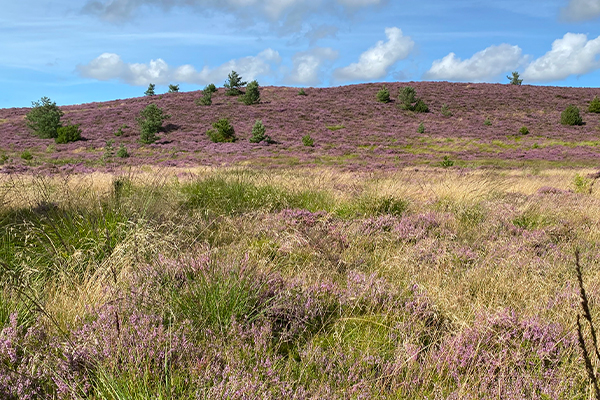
column 97, row 50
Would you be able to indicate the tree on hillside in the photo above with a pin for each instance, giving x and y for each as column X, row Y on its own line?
column 233, row 84
column 150, row 90
column 173, row 88
column 44, row 118
column 514, row 79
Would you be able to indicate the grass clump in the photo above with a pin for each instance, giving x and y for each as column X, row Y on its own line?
column 334, row 128
column 447, row 162
column 308, row 141
column 582, row 184
column 222, row 132
column 68, row 133
column 150, row 122
column 594, row 106
column 44, row 118
column 570, row 116
column 383, row 95
column 26, row 155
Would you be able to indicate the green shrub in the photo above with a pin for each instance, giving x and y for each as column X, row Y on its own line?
column 68, row 133
column 44, row 118
column 524, row 130
column 109, row 150
column 570, row 116
column 407, row 97
column 26, row 155
column 233, row 84
column 487, row 122
column 514, row 79
column 301, row 92
column 420, row 107
column 150, row 123
column 206, row 99
column 150, row 90
column 446, row 110
column 308, row 141
column 421, row 128
column 122, row 152
column 119, row 131
column 210, row 88
column 383, row 95
column 446, row 162
column 252, row 95
column 3, row 159
column 173, row 88
column 582, row 184
column 222, row 132
column 258, row 133
column 594, row 106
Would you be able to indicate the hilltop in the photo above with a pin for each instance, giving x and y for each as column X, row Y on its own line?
column 349, row 127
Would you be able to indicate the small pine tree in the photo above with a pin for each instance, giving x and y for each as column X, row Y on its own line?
column 209, row 88
column 122, row 152
column 421, row 128
column 594, row 106
column 173, row 88
column 301, row 92
column 68, row 133
column 514, row 79
column 308, row 141
column 524, row 130
column 109, row 150
column 222, row 132
column 252, row 95
column 206, row 99
column 258, row 133
column 407, row 97
column 446, row 110
column 150, row 90
column 420, row 107
column 44, row 118
column 570, row 116
column 233, row 84
column 383, row 95
column 150, row 123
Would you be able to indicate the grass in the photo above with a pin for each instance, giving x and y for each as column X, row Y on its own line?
column 219, row 283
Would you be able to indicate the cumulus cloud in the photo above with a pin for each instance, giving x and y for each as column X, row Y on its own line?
column 375, row 62
column 484, row 65
column 308, row 65
column 110, row 66
column 574, row 54
column 291, row 10
column 581, row 10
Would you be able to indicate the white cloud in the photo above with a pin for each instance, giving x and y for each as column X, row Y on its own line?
column 109, row 66
column 581, row 10
column 308, row 65
column 120, row 10
column 574, row 54
column 375, row 62
column 484, row 65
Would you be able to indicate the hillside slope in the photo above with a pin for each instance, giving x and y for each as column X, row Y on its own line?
column 362, row 133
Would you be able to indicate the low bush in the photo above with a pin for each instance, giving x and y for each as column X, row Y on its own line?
column 487, row 122
column 446, row 162
column 308, row 141
column 252, row 95
column 594, row 106
column 44, row 118
column 122, row 152
column 222, row 132
column 524, row 130
column 301, row 92
column 383, row 95
column 68, row 133
column 408, row 100
column 570, row 116
column 150, row 122
column 206, row 99
column 26, row 155
column 421, row 128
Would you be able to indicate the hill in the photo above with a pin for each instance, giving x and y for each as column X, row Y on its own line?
column 349, row 127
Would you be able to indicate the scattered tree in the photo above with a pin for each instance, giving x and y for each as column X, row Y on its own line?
column 252, row 95
column 222, row 132
column 173, row 88
column 150, row 90
column 514, row 79
column 408, row 100
column 68, row 133
column 570, row 116
column 209, row 88
column 258, row 133
column 446, row 110
column 44, row 118
column 150, row 123
column 383, row 95
column 206, row 99
column 594, row 106
column 233, row 84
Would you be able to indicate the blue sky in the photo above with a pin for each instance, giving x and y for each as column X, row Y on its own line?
column 97, row 50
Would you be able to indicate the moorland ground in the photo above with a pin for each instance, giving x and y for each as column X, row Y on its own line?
column 373, row 274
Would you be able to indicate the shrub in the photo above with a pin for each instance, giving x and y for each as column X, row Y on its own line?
column 150, row 122
column 68, row 133
column 524, row 130
column 209, row 88
column 487, row 122
column 122, row 152
column 570, row 116
column 301, row 92
column 150, row 90
column 173, row 88
column 594, row 106
column 421, row 128
column 383, row 95
column 420, row 107
column 514, row 79
column 26, row 155
column 119, row 131
column 446, row 162
column 44, row 118
column 446, row 110
column 233, row 84
column 206, row 99
column 308, row 141
column 222, row 132
column 252, row 95
column 407, row 97
column 258, row 133
column 109, row 150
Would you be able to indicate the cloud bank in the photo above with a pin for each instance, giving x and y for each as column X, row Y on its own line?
column 375, row 62
column 110, row 66
column 482, row 66
column 308, row 65
column 581, row 10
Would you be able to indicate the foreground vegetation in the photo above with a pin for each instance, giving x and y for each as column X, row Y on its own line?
column 310, row 284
